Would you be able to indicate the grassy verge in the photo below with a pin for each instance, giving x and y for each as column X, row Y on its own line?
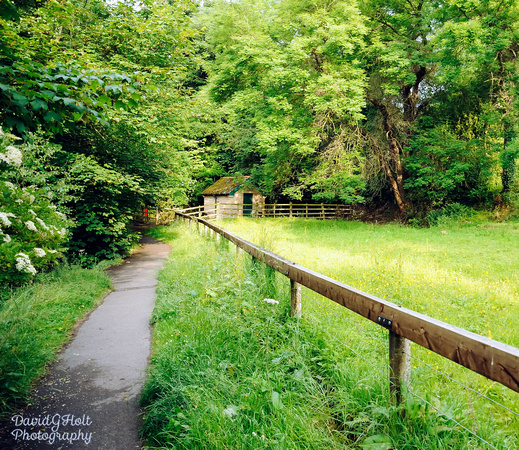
column 37, row 320
column 230, row 370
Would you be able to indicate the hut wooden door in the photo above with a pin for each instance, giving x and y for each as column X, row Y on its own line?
column 247, row 205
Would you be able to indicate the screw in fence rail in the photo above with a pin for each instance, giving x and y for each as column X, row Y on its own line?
column 399, row 367
column 295, row 299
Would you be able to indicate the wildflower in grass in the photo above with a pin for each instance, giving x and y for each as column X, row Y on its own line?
column 32, row 212
column 271, row 301
column 230, row 412
column 7, row 238
column 23, row 264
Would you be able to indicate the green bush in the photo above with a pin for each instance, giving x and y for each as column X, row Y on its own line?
column 32, row 231
column 449, row 215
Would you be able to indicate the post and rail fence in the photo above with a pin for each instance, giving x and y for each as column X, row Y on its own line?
column 495, row 360
column 301, row 210
column 217, row 211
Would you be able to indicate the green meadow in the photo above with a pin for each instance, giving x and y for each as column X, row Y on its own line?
column 230, row 370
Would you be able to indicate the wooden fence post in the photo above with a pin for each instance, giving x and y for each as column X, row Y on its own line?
column 295, row 299
column 399, row 367
column 290, row 209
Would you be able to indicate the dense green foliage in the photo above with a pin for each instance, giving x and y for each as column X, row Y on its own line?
column 410, row 104
column 104, row 83
column 32, row 231
column 230, row 370
column 346, row 101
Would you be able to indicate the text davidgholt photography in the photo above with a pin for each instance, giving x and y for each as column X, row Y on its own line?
column 51, row 428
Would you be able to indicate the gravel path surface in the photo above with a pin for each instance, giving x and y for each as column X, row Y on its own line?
column 89, row 399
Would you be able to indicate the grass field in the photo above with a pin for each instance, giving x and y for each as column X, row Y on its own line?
column 465, row 274
column 222, row 353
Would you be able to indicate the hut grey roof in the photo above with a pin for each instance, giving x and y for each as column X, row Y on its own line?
column 225, row 186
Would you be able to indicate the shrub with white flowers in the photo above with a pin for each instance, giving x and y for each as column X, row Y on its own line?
column 32, row 232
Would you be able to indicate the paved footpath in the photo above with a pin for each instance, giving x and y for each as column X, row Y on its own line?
column 89, row 399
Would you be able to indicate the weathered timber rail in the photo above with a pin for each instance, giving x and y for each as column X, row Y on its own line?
column 492, row 359
column 303, row 210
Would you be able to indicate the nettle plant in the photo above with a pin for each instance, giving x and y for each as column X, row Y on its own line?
column 32, row 231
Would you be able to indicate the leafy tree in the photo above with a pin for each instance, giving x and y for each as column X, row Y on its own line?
column 286, row 77
column 76, row 70
column 51, row 84
column 483, row 39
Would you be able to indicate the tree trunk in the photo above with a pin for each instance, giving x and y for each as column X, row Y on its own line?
column 393, row 165
column 507, row 157
column 505, row 100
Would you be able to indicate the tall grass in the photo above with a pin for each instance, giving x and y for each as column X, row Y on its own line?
column 230, row 370
column 36, row 321
column 465, row 274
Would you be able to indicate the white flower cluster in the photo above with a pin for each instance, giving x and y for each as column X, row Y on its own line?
column 39, row 252
column 271, row 301
column 12, row 156
column 4, row 218
column 230, row 412
column 42, row 223
column 30, row 225
column 23, row 264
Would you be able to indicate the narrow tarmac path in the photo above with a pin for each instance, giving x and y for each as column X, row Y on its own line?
column 89, row 399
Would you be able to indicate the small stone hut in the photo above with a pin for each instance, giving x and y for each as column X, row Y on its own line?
column 233, row 198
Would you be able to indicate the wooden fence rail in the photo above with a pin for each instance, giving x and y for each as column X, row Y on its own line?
column 490, row 358
column 306, row 210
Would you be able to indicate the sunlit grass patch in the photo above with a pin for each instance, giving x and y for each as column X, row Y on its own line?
column 466, row 276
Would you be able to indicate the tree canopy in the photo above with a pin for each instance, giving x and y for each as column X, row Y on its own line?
column 342, row 101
